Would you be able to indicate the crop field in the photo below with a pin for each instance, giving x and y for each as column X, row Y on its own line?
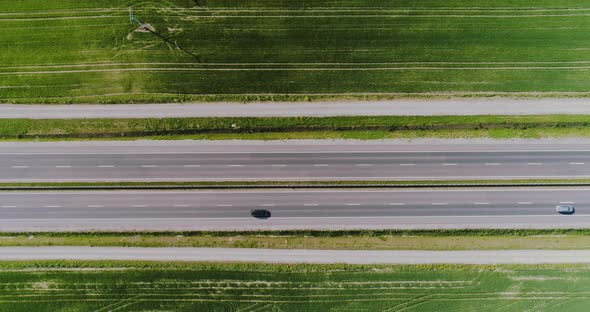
column 136, row 286
column 62, row 51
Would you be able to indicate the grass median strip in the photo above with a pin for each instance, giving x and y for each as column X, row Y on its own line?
column 139, row 286
column 289, row 184
column 357, row 240
column 353, row 127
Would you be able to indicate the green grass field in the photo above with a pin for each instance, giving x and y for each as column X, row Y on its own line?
column 60, row 51
column 135, row 286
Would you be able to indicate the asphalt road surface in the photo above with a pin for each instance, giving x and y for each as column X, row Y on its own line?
column 303, row 209
column 297, row 255
column 186, row 161
column 400, row 107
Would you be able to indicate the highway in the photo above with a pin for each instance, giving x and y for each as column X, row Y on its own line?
column 322, row 160
column 291, row 209
column 398, row 107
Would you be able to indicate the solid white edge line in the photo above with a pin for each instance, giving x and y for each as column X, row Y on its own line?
column 335, row 190
column 312, row 152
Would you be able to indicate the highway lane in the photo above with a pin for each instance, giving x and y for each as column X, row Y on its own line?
column 230, row 209
column 130, row 161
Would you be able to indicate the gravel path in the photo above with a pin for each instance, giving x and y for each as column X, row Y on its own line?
column 297, row 256
column 401, row 107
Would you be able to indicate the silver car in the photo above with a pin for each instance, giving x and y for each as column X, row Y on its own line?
column 565, row 209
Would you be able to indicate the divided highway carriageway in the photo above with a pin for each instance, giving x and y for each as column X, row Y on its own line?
column 291, row 209
column 186, row 161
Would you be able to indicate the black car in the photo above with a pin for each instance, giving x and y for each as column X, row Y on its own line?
column 565, row 209
column 260, row 213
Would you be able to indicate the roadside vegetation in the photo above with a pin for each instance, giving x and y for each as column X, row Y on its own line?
column 287, row 184
column 139, row 286
column 58, row 51
column 269, row 128
column 346, row 240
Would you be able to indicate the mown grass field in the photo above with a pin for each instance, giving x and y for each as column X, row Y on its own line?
column 61, row 51
column 136, row 286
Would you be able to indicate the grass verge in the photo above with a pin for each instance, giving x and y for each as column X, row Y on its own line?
column 349, row 127
column 142, row 286
column 361, row 240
